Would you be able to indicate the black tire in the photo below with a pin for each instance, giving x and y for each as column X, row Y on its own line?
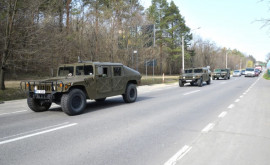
column 181, row 84
column 130, row 95
column 74, row 102
column 100, row 100
column 209, row 81
column 230, row 77
column 218, row 78
column 192, row 83
column 199, row 82
column 213, row 78
column 37, row 106
column 226, row 77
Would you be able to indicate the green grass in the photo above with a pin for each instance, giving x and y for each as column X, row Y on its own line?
column 266, row 76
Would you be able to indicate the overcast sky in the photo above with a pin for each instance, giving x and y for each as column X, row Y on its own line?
column 229, row 23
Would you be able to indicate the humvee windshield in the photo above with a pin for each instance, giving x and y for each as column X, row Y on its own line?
column 64, row 71
column 217, row 70
column 188, row 71
column 198, row 70
column 84, row 70
column 223, row 70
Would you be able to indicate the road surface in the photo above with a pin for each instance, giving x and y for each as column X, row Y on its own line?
column 226, row 122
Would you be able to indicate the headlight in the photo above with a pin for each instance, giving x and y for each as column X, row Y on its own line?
column 184, row 77
column 193, row 76
column 35, row 88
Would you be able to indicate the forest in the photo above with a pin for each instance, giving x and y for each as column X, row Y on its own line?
column 38, row 35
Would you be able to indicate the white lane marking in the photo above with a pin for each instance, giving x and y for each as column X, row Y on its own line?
column 244, row 93
column 37, row 133
column 241, row 96
column 237, row 100
column 223, row 114
column 12, row 112
column 208, row 128
column 231, row 106
column 179, row 155
column 191, row 92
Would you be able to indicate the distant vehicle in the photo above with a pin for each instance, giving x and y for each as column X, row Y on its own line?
column 257, row 72
column 250, row 72
column 236, row 73
column 80, row 81
column 221, row 73
column 195, row 76
column 259, row 67
column 243, row 72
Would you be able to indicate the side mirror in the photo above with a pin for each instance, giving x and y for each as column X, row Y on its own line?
column 99, row 70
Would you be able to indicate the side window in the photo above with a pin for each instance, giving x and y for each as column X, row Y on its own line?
column 84, row 70
column 88, row 70
column 117, row 71
column 105, row 72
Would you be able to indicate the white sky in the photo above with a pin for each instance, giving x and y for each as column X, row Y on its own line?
column 229, row 23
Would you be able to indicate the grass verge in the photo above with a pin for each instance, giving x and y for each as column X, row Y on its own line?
column 11, row 94
column 266, row 76
column 158, row 80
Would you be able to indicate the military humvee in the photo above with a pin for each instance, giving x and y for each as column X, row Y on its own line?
column 195, row 76
column 80, row 81
column 221, row 73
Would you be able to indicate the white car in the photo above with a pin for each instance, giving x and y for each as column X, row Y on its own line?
column 236, row 73
column 250, row 72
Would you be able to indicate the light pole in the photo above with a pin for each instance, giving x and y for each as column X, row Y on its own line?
column 183, row 51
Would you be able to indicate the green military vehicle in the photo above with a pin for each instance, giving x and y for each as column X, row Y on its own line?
column 221, row 73
column 195, row 76
column 75, row 83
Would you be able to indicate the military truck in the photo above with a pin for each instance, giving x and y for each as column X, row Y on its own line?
column 195, row 76
column 75, row 83
column 221, row 73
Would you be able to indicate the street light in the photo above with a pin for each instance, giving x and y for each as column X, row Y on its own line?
column 183, row 51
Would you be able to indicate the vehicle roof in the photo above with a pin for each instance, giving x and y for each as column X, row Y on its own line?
column 92, row 63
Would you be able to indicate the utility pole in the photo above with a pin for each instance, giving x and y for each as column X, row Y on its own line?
column 183, row 55
column 226, row 58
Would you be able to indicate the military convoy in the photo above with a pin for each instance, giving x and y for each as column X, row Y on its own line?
column 195, row 76
column 221, row 73
column 75, row 83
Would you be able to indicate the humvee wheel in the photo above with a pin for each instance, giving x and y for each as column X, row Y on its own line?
column 192, row 83
column 130, row 95
column 209, row 81
column 36, row 105
column 74, row 102
column 100, row 100
column 199, row 82
column 181, row 84
column 213, row 78
column 226, row 78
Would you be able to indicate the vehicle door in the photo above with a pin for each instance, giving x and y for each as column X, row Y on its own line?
column 104, row 80
column 118, row 78
column 204, row 75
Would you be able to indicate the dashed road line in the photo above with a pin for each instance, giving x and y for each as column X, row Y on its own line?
column 37, row 133
column 223, row 114
column 208, row 128
column 231, row 106
column 179, row 155
column 237, row 100
column 9, row 113
column 191, row 92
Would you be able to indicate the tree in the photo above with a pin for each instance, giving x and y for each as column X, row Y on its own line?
column 176, row 29
column 156, row 13
column 11, row 12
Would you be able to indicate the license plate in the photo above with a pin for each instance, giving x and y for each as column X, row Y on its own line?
column 40, row 91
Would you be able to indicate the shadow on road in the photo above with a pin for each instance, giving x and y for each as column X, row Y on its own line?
column 108, row 103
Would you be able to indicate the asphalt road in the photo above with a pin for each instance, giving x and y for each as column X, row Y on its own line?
column 226, row 122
